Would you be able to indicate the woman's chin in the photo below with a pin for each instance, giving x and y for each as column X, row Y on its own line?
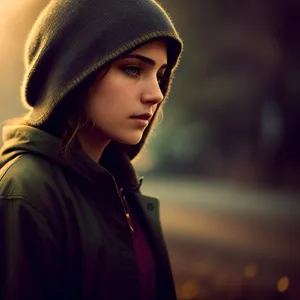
column 130, row 140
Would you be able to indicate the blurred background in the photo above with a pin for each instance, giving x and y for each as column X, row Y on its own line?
column 225, row 161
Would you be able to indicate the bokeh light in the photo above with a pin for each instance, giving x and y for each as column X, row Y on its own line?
column 250, row 270
column 283, row 284
column 189, row 290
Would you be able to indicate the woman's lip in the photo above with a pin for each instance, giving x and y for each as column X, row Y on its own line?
column 140, row 121
column 145, row 116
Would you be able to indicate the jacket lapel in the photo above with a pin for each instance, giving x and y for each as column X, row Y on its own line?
column 146, row 210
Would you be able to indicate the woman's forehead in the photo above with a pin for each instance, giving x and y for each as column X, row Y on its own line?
column 155, row 50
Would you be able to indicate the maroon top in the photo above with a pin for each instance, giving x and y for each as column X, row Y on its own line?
column 144, row 257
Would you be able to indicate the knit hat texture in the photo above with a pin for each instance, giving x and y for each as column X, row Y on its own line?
column 72, row 39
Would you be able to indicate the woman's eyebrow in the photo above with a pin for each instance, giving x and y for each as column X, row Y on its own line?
column 144, row 59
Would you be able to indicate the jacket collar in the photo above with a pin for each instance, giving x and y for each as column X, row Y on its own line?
column 119, row 165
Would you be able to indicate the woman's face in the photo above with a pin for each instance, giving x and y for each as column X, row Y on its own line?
column 130, row 88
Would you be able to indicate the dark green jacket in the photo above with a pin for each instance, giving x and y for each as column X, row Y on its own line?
column 63, row 232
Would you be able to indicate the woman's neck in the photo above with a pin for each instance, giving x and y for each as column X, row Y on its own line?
column 93, row 143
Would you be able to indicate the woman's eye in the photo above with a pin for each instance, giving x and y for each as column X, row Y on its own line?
column 161, row 80
column 133, row 70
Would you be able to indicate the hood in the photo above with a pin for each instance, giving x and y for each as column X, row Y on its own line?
column 20, row 139
column 24, row 139
column 73, row 39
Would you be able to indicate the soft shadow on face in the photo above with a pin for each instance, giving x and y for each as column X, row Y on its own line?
column 122, row 101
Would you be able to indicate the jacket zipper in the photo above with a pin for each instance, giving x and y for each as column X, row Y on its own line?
column 124, row 205
column 126, row 210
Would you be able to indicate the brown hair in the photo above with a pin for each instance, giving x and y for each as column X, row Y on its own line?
column 69, row 117
column 76, row 118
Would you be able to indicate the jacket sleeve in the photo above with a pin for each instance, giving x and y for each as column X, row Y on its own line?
column 29, row 259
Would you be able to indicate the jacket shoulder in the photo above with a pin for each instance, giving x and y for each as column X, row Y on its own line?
column 26, row 176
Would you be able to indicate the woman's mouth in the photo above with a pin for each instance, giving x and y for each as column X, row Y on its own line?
column 142, row 119
column 144, row 116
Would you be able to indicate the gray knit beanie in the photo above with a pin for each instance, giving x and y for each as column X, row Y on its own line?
column 72, row 39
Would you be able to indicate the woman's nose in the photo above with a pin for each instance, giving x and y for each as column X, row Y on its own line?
column 153, row 93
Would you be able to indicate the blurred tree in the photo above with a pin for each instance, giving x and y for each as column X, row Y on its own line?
column 235, row 97
column 284, row 166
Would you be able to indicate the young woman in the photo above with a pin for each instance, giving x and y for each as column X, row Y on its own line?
column 73, row 222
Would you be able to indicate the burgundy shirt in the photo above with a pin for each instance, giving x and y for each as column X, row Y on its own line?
column 144, row 257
